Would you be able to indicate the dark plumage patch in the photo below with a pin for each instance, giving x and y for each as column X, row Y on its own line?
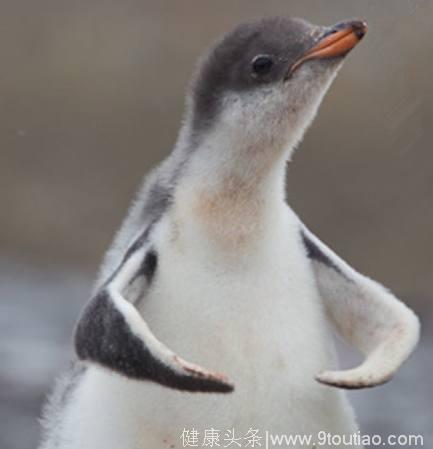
column 228, row 65
column 103, row 336
column 136, row 245
column 315, row 253
column 158, row 200
column 147, row 268
column 139, row 243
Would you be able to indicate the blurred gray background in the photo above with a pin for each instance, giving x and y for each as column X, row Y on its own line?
column 91, row 95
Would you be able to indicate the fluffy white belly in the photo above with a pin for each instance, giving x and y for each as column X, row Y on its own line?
column 260, row 322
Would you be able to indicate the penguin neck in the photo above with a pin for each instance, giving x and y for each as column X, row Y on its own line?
column 231, row 190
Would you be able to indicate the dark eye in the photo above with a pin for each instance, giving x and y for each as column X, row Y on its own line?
column 262, row 64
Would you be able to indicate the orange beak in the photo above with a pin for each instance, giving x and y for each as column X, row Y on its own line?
column 338, row 42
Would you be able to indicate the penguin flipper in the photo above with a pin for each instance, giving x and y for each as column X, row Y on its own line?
column 366, row 315
column 112, row 334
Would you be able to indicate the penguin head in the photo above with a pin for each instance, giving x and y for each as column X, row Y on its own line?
column 267, row 78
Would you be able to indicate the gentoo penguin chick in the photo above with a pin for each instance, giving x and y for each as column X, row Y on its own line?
column 212, row 265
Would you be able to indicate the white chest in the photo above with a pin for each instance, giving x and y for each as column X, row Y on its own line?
column 230, row 308
column 255, row 315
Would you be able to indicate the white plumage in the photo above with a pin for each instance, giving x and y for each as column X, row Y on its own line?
column 226, row 275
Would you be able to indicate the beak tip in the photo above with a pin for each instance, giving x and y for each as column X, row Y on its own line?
column 359, row 28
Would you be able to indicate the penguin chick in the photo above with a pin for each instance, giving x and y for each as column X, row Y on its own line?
column 213, row 265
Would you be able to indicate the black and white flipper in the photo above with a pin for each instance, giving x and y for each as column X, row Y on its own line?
column 366, row 315
column 112, row 334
